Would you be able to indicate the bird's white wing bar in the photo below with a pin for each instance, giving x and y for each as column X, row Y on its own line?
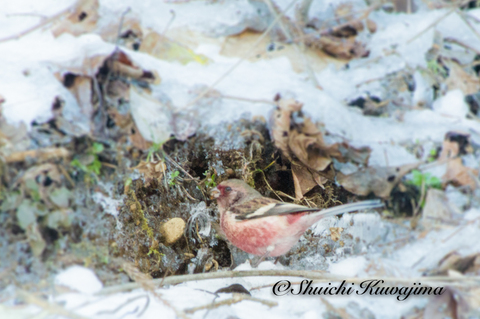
column 275, row 209
column 260, row 212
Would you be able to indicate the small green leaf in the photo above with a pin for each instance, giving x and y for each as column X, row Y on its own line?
column 97, row 148
column 95, row 167
column 173, row 175
column 76, row 163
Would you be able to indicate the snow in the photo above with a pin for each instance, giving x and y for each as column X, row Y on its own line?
column 80, row 279
column 350, row 267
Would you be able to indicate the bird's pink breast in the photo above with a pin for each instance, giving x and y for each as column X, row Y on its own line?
column 256, row 235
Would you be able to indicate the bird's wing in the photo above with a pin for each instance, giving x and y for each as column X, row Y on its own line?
column 264, row 207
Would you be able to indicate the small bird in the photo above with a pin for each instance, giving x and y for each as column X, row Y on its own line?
column 264, row 226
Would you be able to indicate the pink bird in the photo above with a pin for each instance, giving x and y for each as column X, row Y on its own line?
column 264, row 226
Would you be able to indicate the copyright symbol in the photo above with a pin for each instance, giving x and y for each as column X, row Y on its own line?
column 281, row 287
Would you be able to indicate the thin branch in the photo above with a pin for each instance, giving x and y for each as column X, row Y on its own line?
column 300, row 51
column 247, row 99
column 463, row 17
column 169, row 22
column 38, row 26
column 320, row 276
column 434, row 23
column 42, row 154
column 462, row 44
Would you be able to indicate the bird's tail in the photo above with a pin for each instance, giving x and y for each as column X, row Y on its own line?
column 346, row 208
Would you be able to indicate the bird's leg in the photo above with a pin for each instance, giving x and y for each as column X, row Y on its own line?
column 259, row 260
column 262, row 257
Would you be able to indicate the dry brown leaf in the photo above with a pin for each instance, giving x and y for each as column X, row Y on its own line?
column 280, row 123
column 308, row 151
column 82, row 20
column 304, row 180
column 123, row 121
column 458, row 78
column 342, row 48
column 121, row 63
column 118, row 62
column 379, row 180
column 241, row 45
column 458, row 174
column 81, row 87
column 436, row 206
column 131, row 35
column 449, row 150
column 454, row 303
column 454, row 144
column 469, row 264
column 300, row 140
column 348, row 153
column 442, row 306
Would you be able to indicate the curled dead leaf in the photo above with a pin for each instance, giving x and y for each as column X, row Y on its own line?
column 302, row 143
column 342, row 48
column 459, row 78
column 455, row 144
column 436, row 206
column 379, row 180
column 454, row 303
column 460, row 175
column 305, row 179
column 469, row 264
column 83, row 19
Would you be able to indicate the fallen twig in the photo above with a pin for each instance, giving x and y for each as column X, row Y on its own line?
column 434, row 23
column 42, row 154
column 319, row 276
column 38, row 26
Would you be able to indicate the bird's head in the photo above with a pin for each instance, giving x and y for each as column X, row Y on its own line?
column 232, row 192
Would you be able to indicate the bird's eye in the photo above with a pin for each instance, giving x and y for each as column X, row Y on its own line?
column 228, row 189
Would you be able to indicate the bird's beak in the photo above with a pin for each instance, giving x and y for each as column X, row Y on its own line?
column 215, row 193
